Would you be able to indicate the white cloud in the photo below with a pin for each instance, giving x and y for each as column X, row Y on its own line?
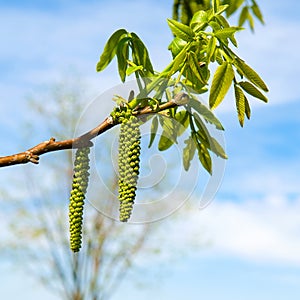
column 265, row 230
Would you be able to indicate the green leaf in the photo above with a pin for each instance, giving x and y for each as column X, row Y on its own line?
column 251, row 21
column 182, row 117
column 176, row 46
column 172, row 129
column 205, row 138
column 133, row 68
column 211, row 47
column 188, row 152
column 215, row 5
column 194, row 67
column 257, row 12
column 217, row 148
column 252, row 90
column 141, row 55
column 154, row 127
column 180, row 30
column 243, row 16
column 249, row 73
column 168, row 136
column 206, row 113
column 222, row 21
column 178, row 62
column 200, row 20
column 218, row 56
column 202, row 132
column 110, row 49
column 204, row 158
column 234, row 6
column 240, row 104
column 215, row 26
column 247, row 109
column 220, row 85
column 221, row 9
column 122, row 56
column 228, row 32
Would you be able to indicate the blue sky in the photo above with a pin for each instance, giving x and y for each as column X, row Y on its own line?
column 253, row 226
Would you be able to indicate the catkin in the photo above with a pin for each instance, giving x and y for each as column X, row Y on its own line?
column 129, row 159
column 79, row 188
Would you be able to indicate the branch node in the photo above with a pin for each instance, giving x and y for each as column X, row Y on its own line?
column 181, row 99
column 34, row 160
column 32, row 157
column 110, row 120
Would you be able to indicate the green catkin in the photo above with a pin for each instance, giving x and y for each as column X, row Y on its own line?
column 79, row 188
column 129, row 153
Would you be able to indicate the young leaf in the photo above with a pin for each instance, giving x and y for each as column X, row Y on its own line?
column 194, row 67
column 240, row 104
column 205, row 113
column 252, row 90
column 234, row 6
column 211, row 47
column 200, row 20
column 182, row 117
column 168, row 136
column 215, row 26
column 251, row 21
column 250, row 74
column 188, row 152
column 180, row 30
column 221, row 9
column 226, row 33
column 205, row 138
column 133, row 68
column 216, row 148
column 110, row 49
column 220, row 85
column 247, row 109
column 154, row 127
column 215, row 5
column 202, row 132
column 222, row 21
column 178, row 62
column 243, row 16
column 204, row 158
column 140, row 51
column 257, row 12
column 122, row 56
column 176, row 46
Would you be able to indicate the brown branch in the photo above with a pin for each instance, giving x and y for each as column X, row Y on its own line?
column 32, row 155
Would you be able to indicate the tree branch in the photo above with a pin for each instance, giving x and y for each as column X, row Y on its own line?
column 32, row 155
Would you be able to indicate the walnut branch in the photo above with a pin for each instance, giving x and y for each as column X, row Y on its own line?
column 32, row 155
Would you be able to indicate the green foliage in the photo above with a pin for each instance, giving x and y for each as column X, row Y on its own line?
column 180, row 30
column 247, row 10
column 220, row 84
column 207, row 38
column 202, row 38
column 123, row 44
column 79, row 188
column 110, row 49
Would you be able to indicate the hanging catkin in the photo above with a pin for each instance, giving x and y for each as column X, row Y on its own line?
column 79, row 188
column 129, row 159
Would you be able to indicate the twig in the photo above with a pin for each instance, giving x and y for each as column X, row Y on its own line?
column 32, row 155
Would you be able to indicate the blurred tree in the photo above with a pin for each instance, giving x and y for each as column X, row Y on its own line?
column 39, row 237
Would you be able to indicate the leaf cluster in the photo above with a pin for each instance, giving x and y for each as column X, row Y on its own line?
column 183, row 10
column 206, row 39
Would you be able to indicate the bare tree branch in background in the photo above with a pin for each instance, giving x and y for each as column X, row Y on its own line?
column 39, row 227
